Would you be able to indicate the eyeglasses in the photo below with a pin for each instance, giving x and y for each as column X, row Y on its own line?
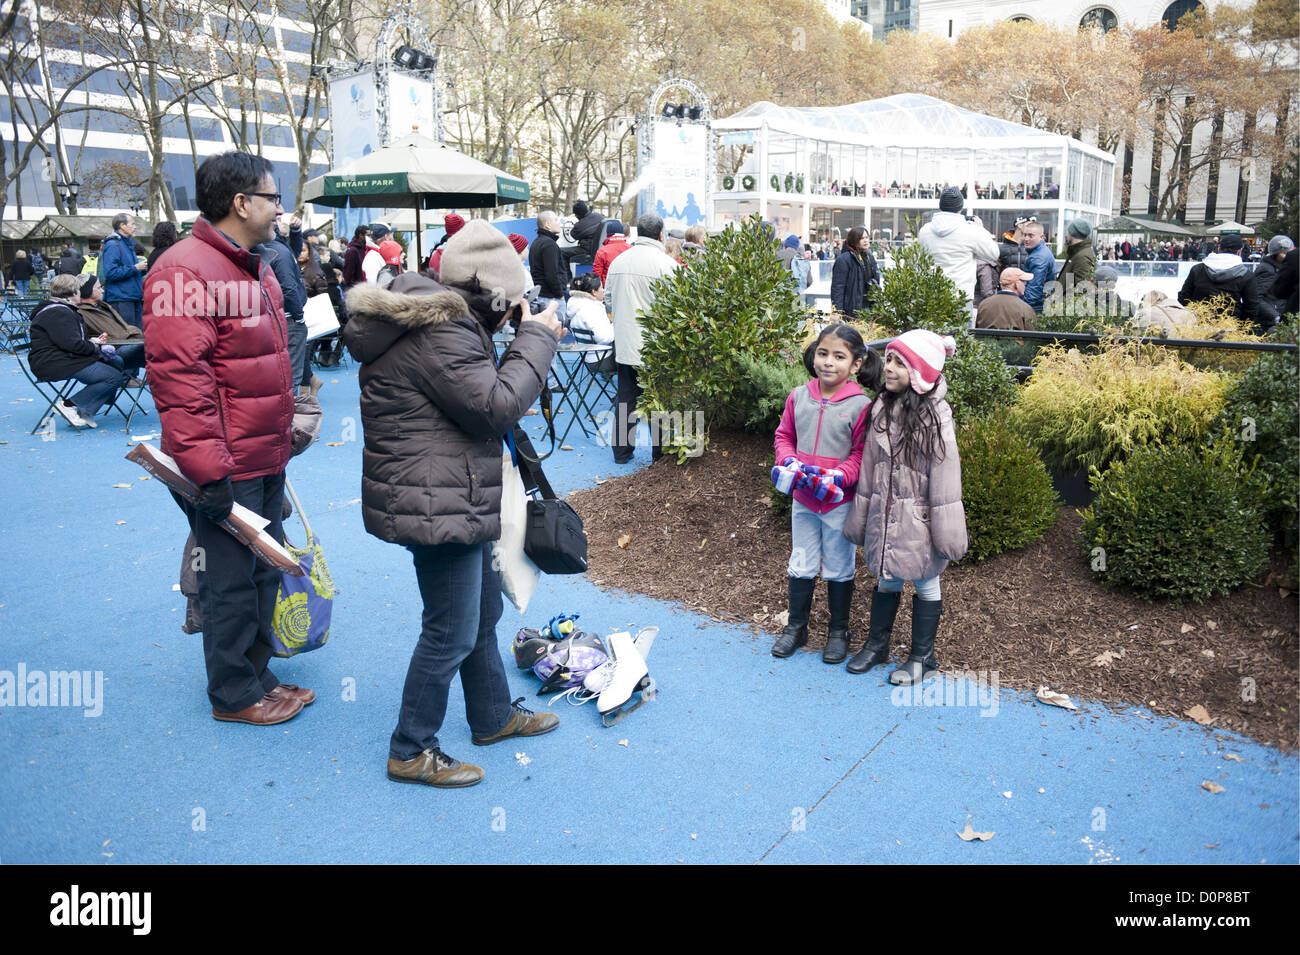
column 273, row 196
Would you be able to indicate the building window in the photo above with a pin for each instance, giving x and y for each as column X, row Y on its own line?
column 1177, row 10
column 1099, row 18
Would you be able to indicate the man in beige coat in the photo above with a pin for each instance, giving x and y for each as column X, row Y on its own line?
column 630, row 286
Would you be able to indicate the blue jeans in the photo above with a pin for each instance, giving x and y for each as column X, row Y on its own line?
column 927, row 589
column 131, row 310
column 462, row 604
column 21, row 286
column 819, row 543
column 132, row 357
column 102, row 383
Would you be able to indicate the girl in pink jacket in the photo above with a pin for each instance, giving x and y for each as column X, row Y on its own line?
column 818, row 453
column 907, row 513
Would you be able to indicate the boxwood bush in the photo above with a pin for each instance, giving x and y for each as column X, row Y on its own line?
column 734, row 300
column 916, row 294
column 979, row 380
column 1262, row 412
column 1005, row 488
column 1177, row 522
column 1084, row 411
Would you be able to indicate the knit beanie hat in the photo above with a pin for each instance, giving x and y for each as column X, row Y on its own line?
column 518, row 241
column 951, row 200
column 391, row 252
column 88, row 284
column 480, row 252
column 453, row 223
column 1279, row 243
column 580, row 209
column 1230, row 243
column 1079, row 229
column 791, row 241
column 615, row 228
column 923, row 352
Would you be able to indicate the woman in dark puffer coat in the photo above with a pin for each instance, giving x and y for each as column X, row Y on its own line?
column 435, row 407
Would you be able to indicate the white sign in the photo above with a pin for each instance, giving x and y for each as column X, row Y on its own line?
column 677, row 187
column 410, row 105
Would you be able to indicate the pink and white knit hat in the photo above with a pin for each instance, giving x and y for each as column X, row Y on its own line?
column 924, row 353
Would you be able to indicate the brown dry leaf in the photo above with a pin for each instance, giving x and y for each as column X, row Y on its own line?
column 1211, row 625
column 622, row 742
column 1208, row 654
column 333, row 444
column 121, row 522
column 123, row 485
column 1186, row 628
column 566, row 447
column 143, row 477
column 530, row 412
column 624, row 540
column 1212, row 787
column 702, row 543
column 1234, row 757
column 1200, row 714
column 970, row 835
column 1211, row 845
column 1104, row 658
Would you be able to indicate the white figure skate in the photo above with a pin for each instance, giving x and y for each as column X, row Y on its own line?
column 625, row 673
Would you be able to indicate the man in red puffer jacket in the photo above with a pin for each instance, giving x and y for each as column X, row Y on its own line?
column 217, row 350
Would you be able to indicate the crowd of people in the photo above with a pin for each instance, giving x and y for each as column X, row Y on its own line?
column 217, row 317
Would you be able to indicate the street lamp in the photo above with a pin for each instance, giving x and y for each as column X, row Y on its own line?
column 68, row 193
column 137, row 203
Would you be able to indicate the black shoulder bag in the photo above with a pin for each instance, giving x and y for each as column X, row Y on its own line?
column 554, row 539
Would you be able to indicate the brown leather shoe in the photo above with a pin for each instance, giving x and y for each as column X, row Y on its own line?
column 307, row 696
column 269, row 710
column 523, row 722
column 433, row 767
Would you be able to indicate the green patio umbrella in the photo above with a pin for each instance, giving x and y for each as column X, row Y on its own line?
column 416, row 172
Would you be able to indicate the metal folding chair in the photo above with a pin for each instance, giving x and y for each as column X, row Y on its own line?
column 50, row 391
column 586, row 392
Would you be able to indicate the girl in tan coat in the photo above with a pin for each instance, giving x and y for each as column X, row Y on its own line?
column 907, row 513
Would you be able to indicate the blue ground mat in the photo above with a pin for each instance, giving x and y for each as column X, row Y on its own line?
column 740, row 758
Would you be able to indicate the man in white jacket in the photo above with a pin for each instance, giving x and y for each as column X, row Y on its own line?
column 955, row 243
column 630, row 284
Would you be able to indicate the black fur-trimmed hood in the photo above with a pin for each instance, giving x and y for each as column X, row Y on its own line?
column 379, row 317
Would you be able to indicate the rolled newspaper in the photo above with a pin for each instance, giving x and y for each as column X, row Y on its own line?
column 242, row 524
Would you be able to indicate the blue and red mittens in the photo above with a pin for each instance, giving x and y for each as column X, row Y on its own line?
column 826, row 484
column 787, row 476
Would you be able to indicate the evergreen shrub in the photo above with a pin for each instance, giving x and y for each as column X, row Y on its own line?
column 1177, row 522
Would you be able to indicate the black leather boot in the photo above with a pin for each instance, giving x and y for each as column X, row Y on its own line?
column 795, row 634
column 839, row 595
column 921, row 663
column 884, row 607
column 193, row 616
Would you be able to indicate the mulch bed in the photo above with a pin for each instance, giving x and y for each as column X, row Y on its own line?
column 703, row 534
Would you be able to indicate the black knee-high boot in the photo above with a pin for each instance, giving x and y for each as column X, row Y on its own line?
column 795, row 634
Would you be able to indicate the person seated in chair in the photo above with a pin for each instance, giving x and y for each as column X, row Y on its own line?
column 100, row 318
column 60, row 350
column 587, row 316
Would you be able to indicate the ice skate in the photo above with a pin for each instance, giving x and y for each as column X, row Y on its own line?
column 599, row 678
column 629, row 675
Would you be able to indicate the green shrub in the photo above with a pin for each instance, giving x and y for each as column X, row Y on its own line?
column 1084, row 411
column 979, row 380
column 766, row 387
column 734, row 300
column 1262, row 412
column 1005, row 488
column 916, row 294
column 1177, row 522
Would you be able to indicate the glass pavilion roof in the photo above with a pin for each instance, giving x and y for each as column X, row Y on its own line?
column 899, row 117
